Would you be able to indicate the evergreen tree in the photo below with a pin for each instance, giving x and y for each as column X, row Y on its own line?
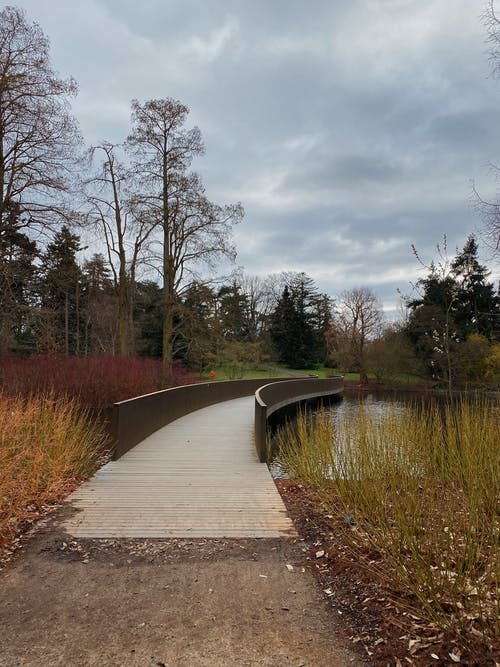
column 18, row 276
column 457, row 301
column 62, row 291
column 148, row 318
column 199, row 330
column 477, row 308
column 99, row 308
column 282, row 328
column 233, row 313
column 292, row 325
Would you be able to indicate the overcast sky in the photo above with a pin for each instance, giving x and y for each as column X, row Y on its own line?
column 348, row 129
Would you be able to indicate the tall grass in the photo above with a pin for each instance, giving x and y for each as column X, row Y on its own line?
column 94, row 381
column 416, row 495
column 47, row 445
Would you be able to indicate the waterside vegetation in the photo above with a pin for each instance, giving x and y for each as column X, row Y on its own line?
column 415, row 497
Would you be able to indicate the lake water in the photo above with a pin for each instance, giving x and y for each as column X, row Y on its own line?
column 374, row 404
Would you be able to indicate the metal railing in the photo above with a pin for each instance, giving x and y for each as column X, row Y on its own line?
column 135, row 419
column 274, row 396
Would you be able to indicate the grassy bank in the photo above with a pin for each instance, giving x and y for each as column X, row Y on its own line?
column 47, row 446
column 416, row 498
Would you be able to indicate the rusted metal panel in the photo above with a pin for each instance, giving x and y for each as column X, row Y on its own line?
column 272, row 397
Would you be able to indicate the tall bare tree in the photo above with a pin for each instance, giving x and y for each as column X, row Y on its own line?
column 38, row 135
column 125, row 230
column 490, row 210
column 192, row 229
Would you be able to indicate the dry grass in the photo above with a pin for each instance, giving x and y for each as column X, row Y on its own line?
column 46, row 446
column 416, row 496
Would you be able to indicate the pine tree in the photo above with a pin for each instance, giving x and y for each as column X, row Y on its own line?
column 62, row 290
column 18, row 274
column 477, row 309
column 292, row 325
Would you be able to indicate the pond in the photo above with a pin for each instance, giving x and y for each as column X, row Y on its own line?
column 375, row 404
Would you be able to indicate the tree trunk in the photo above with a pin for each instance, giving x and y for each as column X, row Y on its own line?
column 66, row 322
column 123, row 312
column 77, row 329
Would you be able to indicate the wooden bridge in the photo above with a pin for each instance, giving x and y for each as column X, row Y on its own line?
column 200, row 474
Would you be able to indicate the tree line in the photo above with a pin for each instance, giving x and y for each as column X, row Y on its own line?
column 145, row 292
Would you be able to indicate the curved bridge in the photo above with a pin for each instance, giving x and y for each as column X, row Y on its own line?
column 188, row 463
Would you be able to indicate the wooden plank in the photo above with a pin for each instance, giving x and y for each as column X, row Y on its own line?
column 197, row 477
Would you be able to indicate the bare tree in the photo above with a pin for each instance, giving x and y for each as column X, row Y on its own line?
column 38, row 135
column 37, row 145
column 124, row 228
column 490, row 215
column 192, row 229
column 490, row 210
column 492, row 23
column 358, row 319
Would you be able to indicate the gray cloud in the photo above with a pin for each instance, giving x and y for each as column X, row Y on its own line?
column 348, row 130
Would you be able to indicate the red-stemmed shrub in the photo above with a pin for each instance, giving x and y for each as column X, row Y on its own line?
column 93, row 381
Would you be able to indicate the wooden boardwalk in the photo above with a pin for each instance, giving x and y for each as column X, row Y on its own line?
column 196, row 477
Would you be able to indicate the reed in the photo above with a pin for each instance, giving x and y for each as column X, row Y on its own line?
column 47, row 445
column 416, row 496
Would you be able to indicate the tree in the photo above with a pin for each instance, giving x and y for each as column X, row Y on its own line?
column 490, row 210
column 260, row 303
column 472, row 360
column 148, row 318
column 391, row 355
column 492, row 23
column 233, row 312
column 192, row 229
column 38, row 136
column 62, row 290
column 358, row 320
column 199, row 332
column 18, row 283
column 99, row 308
column 431, row 326
column 294, row 323
column 477, row 307
column 124, row 228
column 283, row 329
column 456, row 301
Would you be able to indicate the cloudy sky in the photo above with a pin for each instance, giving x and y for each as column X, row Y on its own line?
column 347, row 129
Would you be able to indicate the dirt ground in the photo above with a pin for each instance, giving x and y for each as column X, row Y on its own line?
column 375, row 616
column 165, row 603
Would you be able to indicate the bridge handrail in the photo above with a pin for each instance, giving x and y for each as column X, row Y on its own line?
column 272, row 396
column 136, row 418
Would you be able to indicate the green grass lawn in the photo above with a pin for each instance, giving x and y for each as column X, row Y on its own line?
column 234, row 371
column 230, row 372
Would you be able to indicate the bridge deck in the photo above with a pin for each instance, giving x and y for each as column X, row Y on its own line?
column 196, row 477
